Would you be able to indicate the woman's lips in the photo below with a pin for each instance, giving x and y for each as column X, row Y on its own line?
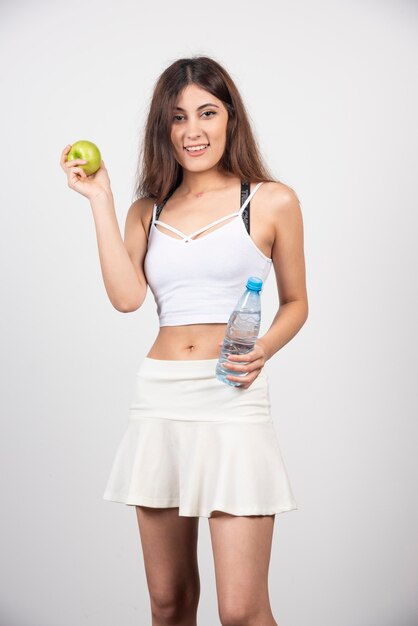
column 196, row 152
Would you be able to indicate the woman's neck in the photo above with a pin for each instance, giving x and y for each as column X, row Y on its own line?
column 199, row 183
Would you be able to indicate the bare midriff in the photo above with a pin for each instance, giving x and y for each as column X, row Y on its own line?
column 191, row 341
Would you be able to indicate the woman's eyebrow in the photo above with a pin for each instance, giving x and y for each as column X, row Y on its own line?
column 202, row 106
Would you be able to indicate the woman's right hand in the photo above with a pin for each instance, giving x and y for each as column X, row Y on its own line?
column 89, row 186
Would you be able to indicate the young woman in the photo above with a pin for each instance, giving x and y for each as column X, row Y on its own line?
column 195, row 446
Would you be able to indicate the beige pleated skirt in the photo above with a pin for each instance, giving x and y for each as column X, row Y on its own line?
column 199, row 444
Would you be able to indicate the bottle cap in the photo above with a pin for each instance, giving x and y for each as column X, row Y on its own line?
column 254, row 283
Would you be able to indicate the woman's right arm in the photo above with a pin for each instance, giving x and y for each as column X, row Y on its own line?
column 121, row 262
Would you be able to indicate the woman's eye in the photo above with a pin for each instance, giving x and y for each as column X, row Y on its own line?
column 204, row 114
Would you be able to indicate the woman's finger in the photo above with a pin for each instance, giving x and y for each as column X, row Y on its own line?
column 236, row 366
column 66, row 150
column 78, row 170
column 244, row 379
column 64, row 153
column 244, row 357
column 74, row 162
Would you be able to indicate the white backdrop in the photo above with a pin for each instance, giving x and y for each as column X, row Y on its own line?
column 331, row 90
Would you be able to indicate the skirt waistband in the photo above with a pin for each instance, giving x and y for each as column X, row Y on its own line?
column 185, row 361
column 189, row 390
column 185, row 367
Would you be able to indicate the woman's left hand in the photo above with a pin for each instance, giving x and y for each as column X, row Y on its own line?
column 254, row 363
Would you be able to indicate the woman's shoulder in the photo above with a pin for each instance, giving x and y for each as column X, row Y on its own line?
column 277, row 196
column 144, row 202
column 277, row 189
column 143, row 208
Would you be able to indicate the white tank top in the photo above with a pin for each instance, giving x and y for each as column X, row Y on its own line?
column 199, row 281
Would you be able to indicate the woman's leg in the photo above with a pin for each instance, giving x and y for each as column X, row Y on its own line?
column 241, row 549
column 169, row 545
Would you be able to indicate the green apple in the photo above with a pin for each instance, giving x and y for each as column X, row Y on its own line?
column 87, row 151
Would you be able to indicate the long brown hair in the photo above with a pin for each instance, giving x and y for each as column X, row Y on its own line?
column 159, row 173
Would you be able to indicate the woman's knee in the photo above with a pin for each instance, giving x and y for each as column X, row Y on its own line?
column 171, row 606
column 244, row 612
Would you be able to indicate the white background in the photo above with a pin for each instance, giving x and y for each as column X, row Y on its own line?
column 331, row 90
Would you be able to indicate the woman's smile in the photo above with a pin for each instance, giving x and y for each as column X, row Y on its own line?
column 196, row 151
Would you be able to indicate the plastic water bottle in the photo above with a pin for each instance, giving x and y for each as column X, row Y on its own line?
column 242, row 329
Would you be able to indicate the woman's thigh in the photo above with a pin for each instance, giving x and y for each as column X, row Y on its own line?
column 241, row 549
column 169, row 545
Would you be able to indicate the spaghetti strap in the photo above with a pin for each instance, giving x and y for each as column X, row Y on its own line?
column 249, row 197
column 152, row 220
column 185, row 237
column 172, row 228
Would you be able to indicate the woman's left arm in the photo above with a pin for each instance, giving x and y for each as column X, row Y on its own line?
column 289, row 266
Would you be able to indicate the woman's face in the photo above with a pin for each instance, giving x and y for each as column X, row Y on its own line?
column 199, row 118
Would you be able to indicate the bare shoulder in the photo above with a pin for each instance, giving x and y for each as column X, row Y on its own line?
column 140, row 212
column 280, row 199
column 283, row 209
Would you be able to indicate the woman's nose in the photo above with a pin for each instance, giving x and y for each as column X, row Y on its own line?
column 193, row 129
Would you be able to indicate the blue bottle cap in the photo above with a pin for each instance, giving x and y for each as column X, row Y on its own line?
column 254, row 283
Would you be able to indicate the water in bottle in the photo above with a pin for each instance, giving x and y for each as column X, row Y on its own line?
column 242, row 329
